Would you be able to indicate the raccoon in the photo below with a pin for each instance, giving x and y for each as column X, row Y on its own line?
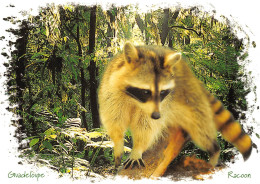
column 148, row 89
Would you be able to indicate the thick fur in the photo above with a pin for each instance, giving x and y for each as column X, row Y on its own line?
column 149, row 88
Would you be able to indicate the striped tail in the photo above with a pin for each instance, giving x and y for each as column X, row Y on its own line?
column 230, row 129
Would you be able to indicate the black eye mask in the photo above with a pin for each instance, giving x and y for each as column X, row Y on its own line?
column 163, row 94
column 141, row 95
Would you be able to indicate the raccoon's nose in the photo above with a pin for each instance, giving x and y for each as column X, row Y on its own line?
column 156, row 115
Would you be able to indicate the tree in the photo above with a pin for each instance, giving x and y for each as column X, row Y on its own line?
column 93, row 70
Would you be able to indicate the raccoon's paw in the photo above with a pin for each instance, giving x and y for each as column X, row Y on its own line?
column 132, row 163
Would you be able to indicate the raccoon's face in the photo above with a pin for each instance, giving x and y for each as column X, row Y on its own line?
column 150, row 76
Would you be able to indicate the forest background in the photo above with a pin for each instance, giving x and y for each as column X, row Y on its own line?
column 61, row 53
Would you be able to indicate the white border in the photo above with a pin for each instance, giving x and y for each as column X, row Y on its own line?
column 246, row 13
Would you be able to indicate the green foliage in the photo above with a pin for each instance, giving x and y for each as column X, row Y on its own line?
column 64, row 143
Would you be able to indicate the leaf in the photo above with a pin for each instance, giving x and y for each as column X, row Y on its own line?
column 127, row 149
column 53, row 136
column 43, row 31
column 33, row 142
column 56, row 30
column 41, row 147
column 49, row 131
column 36, row 55
column 69, row 7
column 74, row 140
column 64, row 97
column 94, row 134
column 47, row 145
column 29, row 137
column 47, row 31
column 63, row 146
column 257, row 135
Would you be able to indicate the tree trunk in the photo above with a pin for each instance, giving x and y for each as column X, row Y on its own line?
column 170, row 36
column 93, row 70
column 110, row 27
column 82, row 78
column 173, row 17
column 111, row 24
column 165, row 27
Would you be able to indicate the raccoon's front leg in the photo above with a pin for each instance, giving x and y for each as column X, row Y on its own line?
column 118, row 151
column 142, row 139
column 117, row 136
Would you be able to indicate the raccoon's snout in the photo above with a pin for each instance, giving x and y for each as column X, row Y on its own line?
column 156, row 115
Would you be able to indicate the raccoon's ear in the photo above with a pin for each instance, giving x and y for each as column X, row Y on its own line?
column 131, row 54
column 171, row 60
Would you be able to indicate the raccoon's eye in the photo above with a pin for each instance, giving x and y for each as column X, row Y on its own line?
column 141, row 95
column 146, row 92
column 164, row 93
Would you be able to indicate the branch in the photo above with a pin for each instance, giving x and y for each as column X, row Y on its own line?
column 189, row 29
